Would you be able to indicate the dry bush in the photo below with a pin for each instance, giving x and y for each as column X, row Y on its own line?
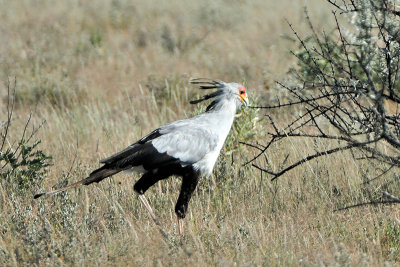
column 345, row 89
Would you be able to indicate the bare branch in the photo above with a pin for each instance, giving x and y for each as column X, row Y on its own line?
column 341, row 91
column 10, row 109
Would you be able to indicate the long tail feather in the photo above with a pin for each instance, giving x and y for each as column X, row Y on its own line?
column 96, row 176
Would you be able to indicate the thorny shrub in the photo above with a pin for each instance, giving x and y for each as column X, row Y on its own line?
column 22, row 165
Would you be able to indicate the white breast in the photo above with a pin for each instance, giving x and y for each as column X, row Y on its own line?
column 206, row 165
column 222, row 123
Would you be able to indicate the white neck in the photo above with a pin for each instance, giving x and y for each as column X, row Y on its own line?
column 225, row 106
column 222, row 116
column 219, row 122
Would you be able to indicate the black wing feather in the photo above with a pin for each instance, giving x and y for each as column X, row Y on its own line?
column 147, row 156
column 132, row 149
column 141, row 153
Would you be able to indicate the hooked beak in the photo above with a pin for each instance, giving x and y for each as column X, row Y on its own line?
column 244, row 99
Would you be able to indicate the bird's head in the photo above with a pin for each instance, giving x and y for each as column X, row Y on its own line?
column 225, row 91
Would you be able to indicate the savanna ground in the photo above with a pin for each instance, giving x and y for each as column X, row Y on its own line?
column 103, row 73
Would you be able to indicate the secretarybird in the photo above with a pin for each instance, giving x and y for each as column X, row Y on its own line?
column 188, row 148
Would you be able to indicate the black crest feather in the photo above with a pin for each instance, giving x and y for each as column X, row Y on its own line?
column 206, row 84
column 213, row 94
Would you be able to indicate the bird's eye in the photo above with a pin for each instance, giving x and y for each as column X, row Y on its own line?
column 242, row 90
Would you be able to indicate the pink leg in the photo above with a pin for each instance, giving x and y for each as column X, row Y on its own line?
column 181, row 224
column 147, row 205
column 153, row 216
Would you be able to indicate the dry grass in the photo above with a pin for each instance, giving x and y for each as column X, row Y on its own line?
column 103, row 73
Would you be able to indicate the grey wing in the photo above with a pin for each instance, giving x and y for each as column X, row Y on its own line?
column 188, row 144
column 182, row 141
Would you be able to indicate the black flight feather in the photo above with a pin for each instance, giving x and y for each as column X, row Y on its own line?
column 141, row 153
column 132, row 149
